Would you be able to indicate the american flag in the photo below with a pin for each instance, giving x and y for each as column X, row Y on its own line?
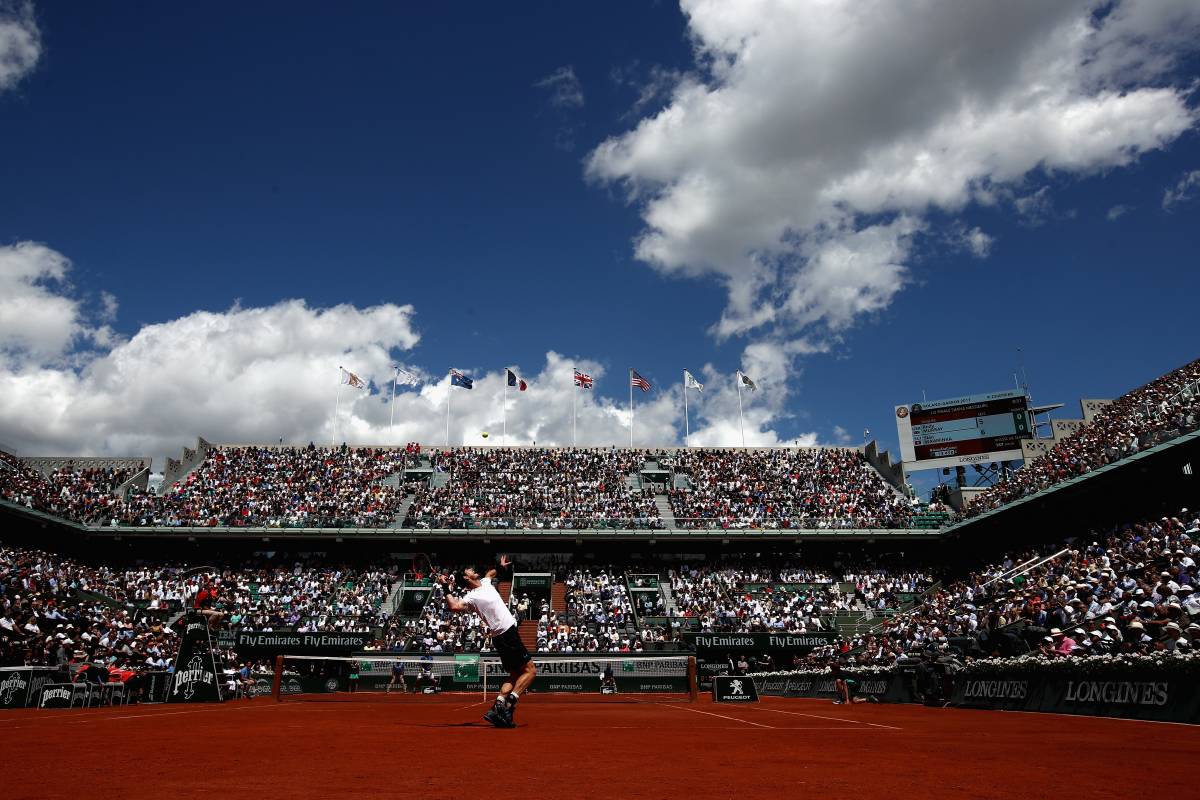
column 638, row 381
column 583, row 379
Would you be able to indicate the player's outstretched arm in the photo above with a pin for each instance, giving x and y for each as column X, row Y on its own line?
column 505, row 564
column 455, row 604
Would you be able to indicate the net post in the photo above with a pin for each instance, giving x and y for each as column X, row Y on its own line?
column 693, row 685
column 277, row 679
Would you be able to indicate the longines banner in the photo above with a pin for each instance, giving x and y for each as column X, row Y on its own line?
column 265, row 644
column 1124, row 694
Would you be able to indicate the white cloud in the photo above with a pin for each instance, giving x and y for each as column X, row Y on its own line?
column 261, row 374
column 40, row 319
column 1118, row 211
column 1035, row 208
column 1183, row 190
column 800, row 162
column 20, row 42
column 564, row 88
column 976, row 241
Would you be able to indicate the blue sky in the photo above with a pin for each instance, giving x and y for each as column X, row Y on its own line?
column 226, row 158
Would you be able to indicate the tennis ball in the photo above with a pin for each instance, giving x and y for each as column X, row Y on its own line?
column 485, row 434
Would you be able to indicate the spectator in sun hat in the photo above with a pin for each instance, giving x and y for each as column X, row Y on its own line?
column 1063, row 644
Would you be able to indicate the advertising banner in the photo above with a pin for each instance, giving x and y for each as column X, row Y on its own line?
column 195, row 676
column 714, row 650
column 20, row 687
column 1130, row 695
column 268, row 644
column 886, row 687
column 733, row 689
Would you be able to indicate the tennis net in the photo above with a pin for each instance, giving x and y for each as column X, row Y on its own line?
column 608, row 674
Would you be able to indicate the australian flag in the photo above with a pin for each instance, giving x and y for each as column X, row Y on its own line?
column 458, row 379
column 514, row 380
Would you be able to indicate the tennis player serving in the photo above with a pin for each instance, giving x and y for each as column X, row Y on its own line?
column 483, row 599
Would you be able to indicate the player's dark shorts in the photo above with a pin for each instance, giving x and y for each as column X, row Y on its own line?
column 512, row 652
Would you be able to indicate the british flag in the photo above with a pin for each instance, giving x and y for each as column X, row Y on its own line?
column 583, row 379
column 638, row 381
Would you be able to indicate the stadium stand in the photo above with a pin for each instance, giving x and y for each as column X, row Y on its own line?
column 534, row 487
column 1131, row 589
column 275, row 487
column 784, row 488
column 1165, row 408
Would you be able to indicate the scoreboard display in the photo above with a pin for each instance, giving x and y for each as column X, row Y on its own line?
column 974, row 429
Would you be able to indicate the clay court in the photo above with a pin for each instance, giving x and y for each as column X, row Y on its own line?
column 370, row 745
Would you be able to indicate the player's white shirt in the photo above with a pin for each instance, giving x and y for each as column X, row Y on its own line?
column 491, row 608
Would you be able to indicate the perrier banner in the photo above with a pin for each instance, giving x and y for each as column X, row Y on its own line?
column 195, row 676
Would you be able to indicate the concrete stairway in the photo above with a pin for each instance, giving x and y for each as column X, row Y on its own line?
column 402, row 512
column 664, row 588
column 528, row 631
column 664, row 511
column 505, row 589
column 558, row 597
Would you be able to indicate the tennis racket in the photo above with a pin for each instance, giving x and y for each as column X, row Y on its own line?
column 422, row 567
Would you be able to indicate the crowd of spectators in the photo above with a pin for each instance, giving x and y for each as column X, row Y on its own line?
column 598, row 614
column 783, row 488
column 279, row 487
column 87, row 495
column 1164, row 407
column 285, row 487
column 1127, row 590
column 534, row 488
column 46, row 621
column 58, row 612
column 436, row 629
column 272, row 487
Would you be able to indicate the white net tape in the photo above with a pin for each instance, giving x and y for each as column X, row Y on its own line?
column 473, row 672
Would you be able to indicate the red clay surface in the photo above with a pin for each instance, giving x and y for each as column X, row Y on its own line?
column 372, row 746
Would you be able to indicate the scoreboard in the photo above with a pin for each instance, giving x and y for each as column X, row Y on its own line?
column 974, row 429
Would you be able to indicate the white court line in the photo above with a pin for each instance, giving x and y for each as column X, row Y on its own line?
column 473, row 705
column 48, row 718
column 835, row 719
column 711, row 714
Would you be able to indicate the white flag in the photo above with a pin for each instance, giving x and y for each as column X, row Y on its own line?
column 690, row 382
column 350, row 379
column 406, row 378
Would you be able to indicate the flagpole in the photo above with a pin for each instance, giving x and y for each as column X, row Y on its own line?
column 449, row 394
column 687, row 437
column 573, row 401
column 504, row 412
column 631, row 408
column 337, row 403
column 392, row 407
column 740, row 428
